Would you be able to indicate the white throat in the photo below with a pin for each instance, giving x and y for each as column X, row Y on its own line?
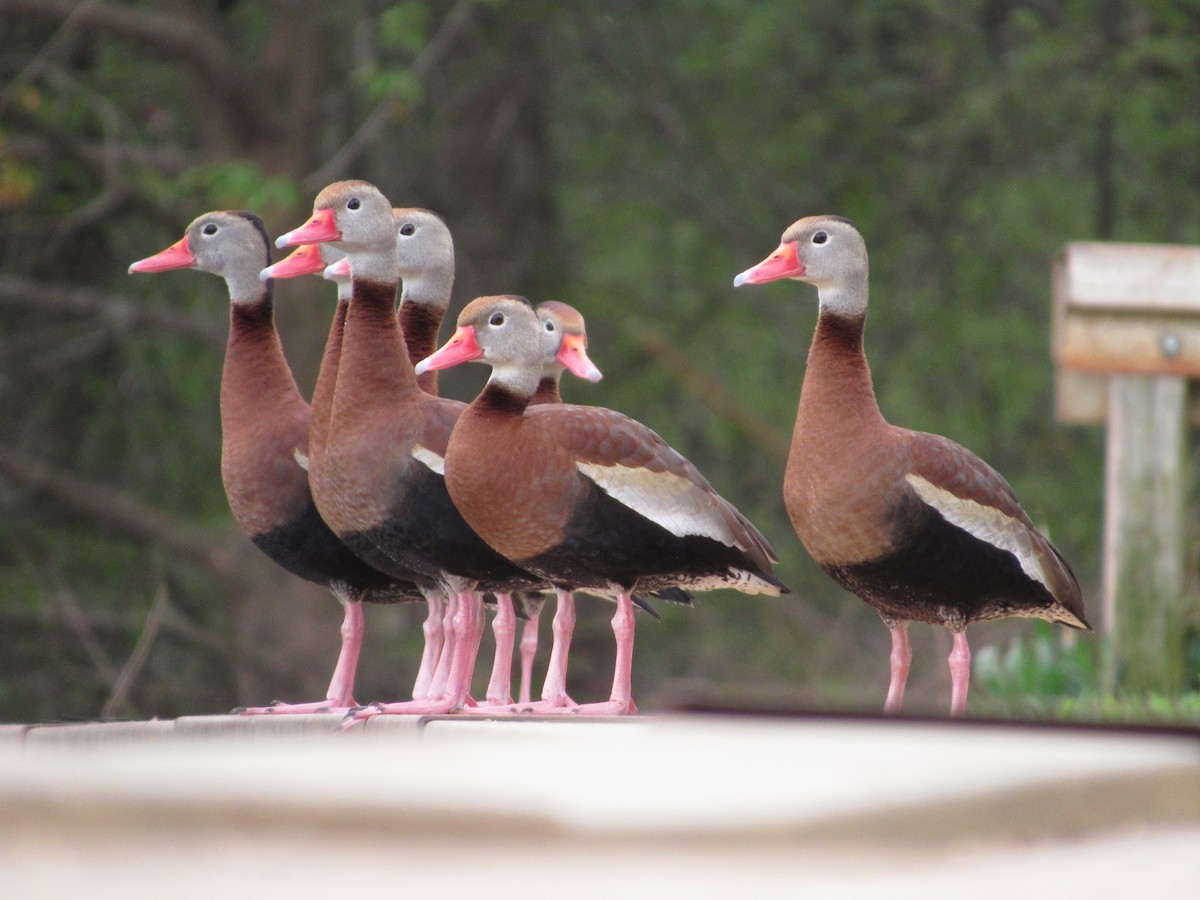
column 244, row 286
column 848, row 300
column 374, row 266
column 427, row 290
column 521, row 380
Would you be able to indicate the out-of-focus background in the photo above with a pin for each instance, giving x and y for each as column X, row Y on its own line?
column 629, row 159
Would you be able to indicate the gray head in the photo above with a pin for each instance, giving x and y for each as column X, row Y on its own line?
column 232, row 244
column 825, row 251
column 564, row 341
column 501, row 331
column 425, row 255
column 357, row 218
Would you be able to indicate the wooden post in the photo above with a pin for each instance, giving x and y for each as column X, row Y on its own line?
column 1143, row 533
column 1127, row 342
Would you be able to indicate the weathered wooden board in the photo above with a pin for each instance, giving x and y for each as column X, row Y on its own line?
column 1127, row 308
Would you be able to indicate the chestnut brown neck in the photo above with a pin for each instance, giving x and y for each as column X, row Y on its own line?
column 547, row 391
column 420, row 324
column 256, row 377
column 323, row 391
column 497, row 400
column 374, row 366
column 837, row 392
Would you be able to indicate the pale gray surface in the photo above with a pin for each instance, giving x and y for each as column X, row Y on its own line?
column 653, row 806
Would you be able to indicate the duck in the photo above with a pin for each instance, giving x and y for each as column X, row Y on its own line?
column 914, row 524
column 564, row 348
column 427, row 275
column 383, row 490
column 264, row 436
column 323, row 259
column 583, row 496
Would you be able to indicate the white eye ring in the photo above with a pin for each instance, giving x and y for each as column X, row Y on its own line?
column 550, row 327
column 820, row 237
column 497, row 320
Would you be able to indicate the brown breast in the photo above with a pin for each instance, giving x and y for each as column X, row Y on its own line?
column 511, row 477
column 846, row 467
column 420, row 324
column 264, row 420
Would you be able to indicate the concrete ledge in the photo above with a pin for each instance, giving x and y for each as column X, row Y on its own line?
column 695, row 804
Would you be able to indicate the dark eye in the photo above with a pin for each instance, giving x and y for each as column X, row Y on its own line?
column 408, row 229
column 353, row 203
column 550, row 326
column 210, row 228
column 496, row 320
column 820, row 237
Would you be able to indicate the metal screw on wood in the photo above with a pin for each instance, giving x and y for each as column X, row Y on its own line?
column 1171, row 345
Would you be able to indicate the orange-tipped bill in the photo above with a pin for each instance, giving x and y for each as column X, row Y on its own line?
column 320, row 228
column 573, row 355
column 461, row 348
column 178, row 256
column 304, row 260
column 783, row 263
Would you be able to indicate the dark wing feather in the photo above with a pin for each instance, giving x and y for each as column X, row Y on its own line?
column 639, row 469
column 972, row 495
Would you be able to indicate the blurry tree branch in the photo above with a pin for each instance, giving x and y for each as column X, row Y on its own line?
column 115, row 509
column 96, row 160
column 710, row 392
column 457, row 19
column 168, row 161
column 122, row 312
column 174, row 623
column 77, row 619
column 129, row 672
column 168, row 36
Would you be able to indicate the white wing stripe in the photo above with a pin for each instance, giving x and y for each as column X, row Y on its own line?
column 669, row 500
column 984, row 522
column 429, row 458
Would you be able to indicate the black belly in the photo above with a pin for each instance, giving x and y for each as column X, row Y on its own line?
column 426, row 531
column 606, row 542
column 306, row 547
column 944, row 575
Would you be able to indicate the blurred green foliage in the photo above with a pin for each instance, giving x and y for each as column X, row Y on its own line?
column 626, row 158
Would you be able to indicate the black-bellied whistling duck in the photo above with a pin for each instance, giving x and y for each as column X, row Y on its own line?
column 264, row 424
column 583, row 496
column 383, row 490
column 425, row 251
column 564, row 347
column 311, row 259
column 914, row 524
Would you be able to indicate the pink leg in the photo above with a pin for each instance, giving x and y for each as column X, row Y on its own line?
column 620, row 703
column 434, row 639
column 960, row 673
column 340, row 695
column 504, row 627
column 437, row 687
column 477, row 637
column 438, row 701
column 468, row 631
column 529, row 643
column 554, row 691
column 901, row 657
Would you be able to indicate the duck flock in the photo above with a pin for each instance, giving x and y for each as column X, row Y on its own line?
column 387, row 492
